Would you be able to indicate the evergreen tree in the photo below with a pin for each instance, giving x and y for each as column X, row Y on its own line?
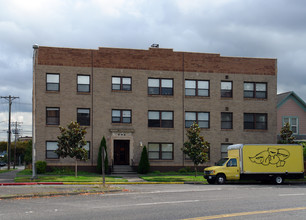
column 144, row 165
column 99, row 165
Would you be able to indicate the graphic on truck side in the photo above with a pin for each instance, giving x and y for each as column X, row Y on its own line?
column 271, row 156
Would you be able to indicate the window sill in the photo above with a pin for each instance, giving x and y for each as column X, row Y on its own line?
column 52, row 92
column 165, row 96
column 53, row 159
column 83, row 93
column 120, row 124
column 161, row 160
column 52, row 126
column 255, row 99
column 201, row 129
column 255, row 130
column 124, row 91
column 161, row 128
column 226, row 98
column 87, row 126
column 197, row 97
column 226, row 129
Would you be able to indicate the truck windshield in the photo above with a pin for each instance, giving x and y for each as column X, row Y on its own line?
column 221, row 162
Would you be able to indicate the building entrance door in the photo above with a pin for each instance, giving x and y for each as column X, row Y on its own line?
column 121, row 152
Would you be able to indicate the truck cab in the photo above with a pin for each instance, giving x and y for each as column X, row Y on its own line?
column 224, row 169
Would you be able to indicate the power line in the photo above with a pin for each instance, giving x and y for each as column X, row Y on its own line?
column 10, row 100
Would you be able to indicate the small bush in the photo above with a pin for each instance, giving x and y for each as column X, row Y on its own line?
column 41, row 167
column 183, row 170
column 62, row 171
column 156, row 172
column 144, row 165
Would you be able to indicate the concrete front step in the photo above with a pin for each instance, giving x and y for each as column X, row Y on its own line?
column 123, row 169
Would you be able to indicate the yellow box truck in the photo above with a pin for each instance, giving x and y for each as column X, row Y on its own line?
column 263, row 162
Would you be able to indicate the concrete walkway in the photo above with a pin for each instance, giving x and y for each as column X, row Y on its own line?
column 130, row 177
column 8, row 177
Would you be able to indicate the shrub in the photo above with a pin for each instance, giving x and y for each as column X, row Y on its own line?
column 144, row 165
column 41, row 167
column 183, row 170
column 99, row 165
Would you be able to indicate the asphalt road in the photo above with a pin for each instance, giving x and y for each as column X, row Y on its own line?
column 168, row 202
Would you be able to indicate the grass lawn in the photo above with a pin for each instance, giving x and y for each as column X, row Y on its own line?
column 65, row 176
column 50, row 178
column 174, row 178
column 4, row 171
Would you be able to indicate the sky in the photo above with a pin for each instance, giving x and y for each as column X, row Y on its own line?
column 243, row 28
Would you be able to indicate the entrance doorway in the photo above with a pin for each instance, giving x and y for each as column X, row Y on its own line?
column 121, row 152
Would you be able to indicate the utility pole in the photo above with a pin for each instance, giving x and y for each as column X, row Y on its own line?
column 10, row 100
column 16, row 133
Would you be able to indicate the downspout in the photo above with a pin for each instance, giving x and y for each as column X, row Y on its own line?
column 92, row 111
column 183, row 105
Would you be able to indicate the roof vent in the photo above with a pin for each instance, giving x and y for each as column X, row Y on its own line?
column 155, row 45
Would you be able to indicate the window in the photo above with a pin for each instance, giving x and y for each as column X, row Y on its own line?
column 201, row 118
column 83, row 83
column 121, row 116
column 232, row 163
column 52, row 116
column 52, row 82
column 160, row 86
column 87, row 147
column 51, row 147
column 255, row 121
column 293, row 122
column 224, row 150
column 83, row 116
column 121, row 83
column 226, row 120
column 197, row 88
column 255, row 90
column 163, row 119
column 227, row 89
column 160, row 151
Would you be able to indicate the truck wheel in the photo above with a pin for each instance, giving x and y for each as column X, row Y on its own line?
column 279, row 180
column 210, row 181
column 220, row 179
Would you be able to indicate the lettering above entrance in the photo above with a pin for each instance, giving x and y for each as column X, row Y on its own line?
column 122, row 132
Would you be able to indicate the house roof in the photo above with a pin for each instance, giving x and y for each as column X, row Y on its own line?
column 284, row 97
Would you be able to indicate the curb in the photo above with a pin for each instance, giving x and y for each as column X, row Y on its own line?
column 84, row 183
column 46, row 194
column 31, row 183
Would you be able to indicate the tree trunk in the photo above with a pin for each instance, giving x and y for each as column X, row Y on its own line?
column 195, row 170
column 76, row 167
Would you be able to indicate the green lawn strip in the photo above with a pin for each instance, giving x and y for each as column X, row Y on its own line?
column 49, row 178
column 4, row 171
column 55, row 173
column 173, row 178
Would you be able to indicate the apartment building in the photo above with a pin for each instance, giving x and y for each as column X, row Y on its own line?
column 150, row 97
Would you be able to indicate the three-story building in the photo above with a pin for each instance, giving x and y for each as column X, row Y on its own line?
column 150, row 97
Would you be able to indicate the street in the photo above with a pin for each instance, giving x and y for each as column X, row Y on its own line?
column 175, row 201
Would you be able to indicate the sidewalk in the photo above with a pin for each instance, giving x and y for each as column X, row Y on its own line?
column 10, row 190
column 8, row 177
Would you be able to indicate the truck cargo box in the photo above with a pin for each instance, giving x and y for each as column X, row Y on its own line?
column 265, row 158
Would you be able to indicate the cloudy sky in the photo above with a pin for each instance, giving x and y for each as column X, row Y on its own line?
column 246, row 28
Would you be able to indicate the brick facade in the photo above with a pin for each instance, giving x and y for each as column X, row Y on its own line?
column 103, row 64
